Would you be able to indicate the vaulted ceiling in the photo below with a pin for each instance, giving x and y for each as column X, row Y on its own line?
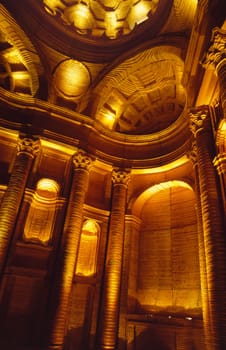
column 126, row 65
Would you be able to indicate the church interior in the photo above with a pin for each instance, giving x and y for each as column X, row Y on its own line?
column 113, row 174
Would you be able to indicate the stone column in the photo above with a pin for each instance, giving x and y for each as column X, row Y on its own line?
column 129, row 273
column 212, row 222
column 72, row 230
column 27, row 148
column 216, row 57
column 109, row 317
column 220, row 164
column 202, row 258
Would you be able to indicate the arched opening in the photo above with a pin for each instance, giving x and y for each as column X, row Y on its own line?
column 41, row 215
column 87, row 253
column 169, row 277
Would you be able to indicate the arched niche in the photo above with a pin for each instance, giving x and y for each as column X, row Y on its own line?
column 168, row 280
column 88, row 246
column 41, row 214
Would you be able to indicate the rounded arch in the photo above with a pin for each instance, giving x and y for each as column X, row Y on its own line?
column 148, row 193
column 168, row 253
column 40, row 219
column 87, row 252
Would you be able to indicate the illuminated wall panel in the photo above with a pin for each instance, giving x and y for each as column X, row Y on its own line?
column 169, row 277
column 87, row 254
column 40, row 219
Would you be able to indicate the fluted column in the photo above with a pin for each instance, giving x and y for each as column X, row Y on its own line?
column 207, row 324
column 72, row 230
column 216, row 57
column 129, row 272
column 212, row 222
column 27, row 148
column 109, row 318
column 220, row 164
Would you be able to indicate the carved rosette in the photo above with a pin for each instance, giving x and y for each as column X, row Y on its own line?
column 82, row 160
column 120, row 176
column 217, row 51
column 28, row 145
column 199, row 120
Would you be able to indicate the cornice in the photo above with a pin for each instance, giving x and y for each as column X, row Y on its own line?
column 63, row 125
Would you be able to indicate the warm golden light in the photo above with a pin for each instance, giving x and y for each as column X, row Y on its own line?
column 223, row 125
column 66, row 149
column 40, row 219
column 108, row 120
column 12, row 55
column 102, row 18
column 139, row 13
column 47, row 188
column 140, row 201
column 87, row 254
column 20, row 75
column 179, row 162
column 111, row 24
column 80, row 16
column 71, row 79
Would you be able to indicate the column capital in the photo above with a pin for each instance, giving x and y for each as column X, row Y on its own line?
column 120, row 176
column 199, row 119
column 28, row 145
column 216, row 53
column 82, row 160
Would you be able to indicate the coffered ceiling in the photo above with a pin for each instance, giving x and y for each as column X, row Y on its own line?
column 122, row 64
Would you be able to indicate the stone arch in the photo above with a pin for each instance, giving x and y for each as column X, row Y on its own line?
column 168, row 257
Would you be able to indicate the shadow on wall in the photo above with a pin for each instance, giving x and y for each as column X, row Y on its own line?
column 76, row 339
column 149, row 339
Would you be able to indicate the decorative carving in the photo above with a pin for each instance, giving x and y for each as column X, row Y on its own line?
column 28, row 145
column 192, row 155
column 83, row 160
column 100, row 17
column 217, row 51
column 199, row 119
column 120, row 176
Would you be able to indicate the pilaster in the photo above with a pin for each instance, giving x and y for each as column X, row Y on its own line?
column 27, row 149
column 82, row 163
column 207, row 324
column 109, row 321
column 220, row 164
column 216, row 58
column 212, row 223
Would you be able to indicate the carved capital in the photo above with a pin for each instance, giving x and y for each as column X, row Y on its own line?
column 83, row 160
column 28, row 145
column 120, row 176
column 217, row 51
column 199, row 119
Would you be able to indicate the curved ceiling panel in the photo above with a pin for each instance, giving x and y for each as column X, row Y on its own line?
column 18, row 73
column 71, row 79
column 105, row 19
column 142, row 95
